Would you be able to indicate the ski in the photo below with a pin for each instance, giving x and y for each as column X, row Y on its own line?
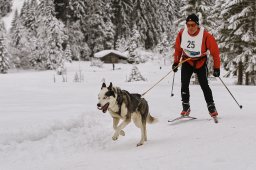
column 182, row 117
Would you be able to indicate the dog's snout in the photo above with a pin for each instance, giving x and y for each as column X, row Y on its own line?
column 98, row 104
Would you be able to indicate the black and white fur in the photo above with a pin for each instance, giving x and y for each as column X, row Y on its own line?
column 125, row 106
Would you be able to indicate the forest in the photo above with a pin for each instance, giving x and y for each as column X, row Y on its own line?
column 46, row 34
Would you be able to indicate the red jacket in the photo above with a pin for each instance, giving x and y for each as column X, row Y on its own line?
column 209, row 43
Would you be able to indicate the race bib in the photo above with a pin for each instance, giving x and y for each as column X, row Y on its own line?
column 191, row 45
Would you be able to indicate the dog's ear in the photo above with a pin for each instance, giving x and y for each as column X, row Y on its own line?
column 103, row 85
column 110, row 86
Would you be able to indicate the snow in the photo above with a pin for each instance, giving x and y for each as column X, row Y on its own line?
column 57, row 126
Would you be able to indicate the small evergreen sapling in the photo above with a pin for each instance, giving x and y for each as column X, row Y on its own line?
column 135, row 75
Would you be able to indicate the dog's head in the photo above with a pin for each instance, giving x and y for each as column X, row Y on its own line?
column 106, row 97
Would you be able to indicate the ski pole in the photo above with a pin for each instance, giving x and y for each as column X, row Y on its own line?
column 240, row 106
column 172, row 84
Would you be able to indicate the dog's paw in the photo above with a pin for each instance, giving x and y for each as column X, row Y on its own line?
column 139, row 144
column 115, row 137
column 122, row 133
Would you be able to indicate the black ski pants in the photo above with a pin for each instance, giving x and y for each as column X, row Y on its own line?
column 186, row 72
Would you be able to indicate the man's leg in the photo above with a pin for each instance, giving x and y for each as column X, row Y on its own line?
column 203, row 81
column 186, row 73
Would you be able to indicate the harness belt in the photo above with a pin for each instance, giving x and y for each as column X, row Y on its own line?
column 194, row 60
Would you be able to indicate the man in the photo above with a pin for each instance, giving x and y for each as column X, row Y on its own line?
column 192, row 43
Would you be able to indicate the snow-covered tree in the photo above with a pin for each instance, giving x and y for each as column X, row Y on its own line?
column 78, row 10
column 30, row 20
column 4, row 59
column 21, row 43
column 49, row 53
column 134, row 43
column 214, row 18
column 100, row 31
column 76, row 40
column 121, row 18
column 62, row 10
column 68, row 53
column 95, row 33
column 135, row 75
column 201, row 8
column 238, row 38
column 5, row 7
column 122, row 44
column 109, row 35
column 164, row 49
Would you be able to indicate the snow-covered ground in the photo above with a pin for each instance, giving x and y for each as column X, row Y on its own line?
column 57, row 126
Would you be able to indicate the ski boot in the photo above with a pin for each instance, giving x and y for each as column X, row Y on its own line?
column 213, row 112
column 186, row 109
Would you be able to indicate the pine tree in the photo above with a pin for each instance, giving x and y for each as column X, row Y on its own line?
column 49, row 53
column 237, row 37
column 4, row 59
column 134, row 43
column 68, row 53
column 77, row 26
column 14, row 21
column 214, row 17
column 135, row 75
column 164, row 48
column 100, row 32
column 24, row 12
column 30, row 21
column 109, row 35
column 78, row 10
column 62, row 10
column 122, row 10
column 122, row 44
column 5, row 7
column 152, row 18
column 21, row 43
column 201, row 8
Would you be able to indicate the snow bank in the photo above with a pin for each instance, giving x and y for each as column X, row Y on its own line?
column 56, row 139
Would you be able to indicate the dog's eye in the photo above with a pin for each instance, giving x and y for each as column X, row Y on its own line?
column 105, row 97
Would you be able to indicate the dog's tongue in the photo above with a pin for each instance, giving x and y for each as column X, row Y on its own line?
column 104, row 108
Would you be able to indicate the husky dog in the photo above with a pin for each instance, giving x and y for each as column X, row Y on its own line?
column 126, row 106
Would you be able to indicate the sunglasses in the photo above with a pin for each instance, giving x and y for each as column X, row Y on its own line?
column 191, row 25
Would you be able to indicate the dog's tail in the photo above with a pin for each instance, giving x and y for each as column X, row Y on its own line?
column 151, row 119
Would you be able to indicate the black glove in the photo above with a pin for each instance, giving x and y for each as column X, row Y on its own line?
column 216, row 72
column 175, row 67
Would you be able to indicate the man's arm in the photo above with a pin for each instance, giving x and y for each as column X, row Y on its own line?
column 178, row 50
column 214, row 50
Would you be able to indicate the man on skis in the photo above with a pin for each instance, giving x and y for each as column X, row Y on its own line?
column 192, row 44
